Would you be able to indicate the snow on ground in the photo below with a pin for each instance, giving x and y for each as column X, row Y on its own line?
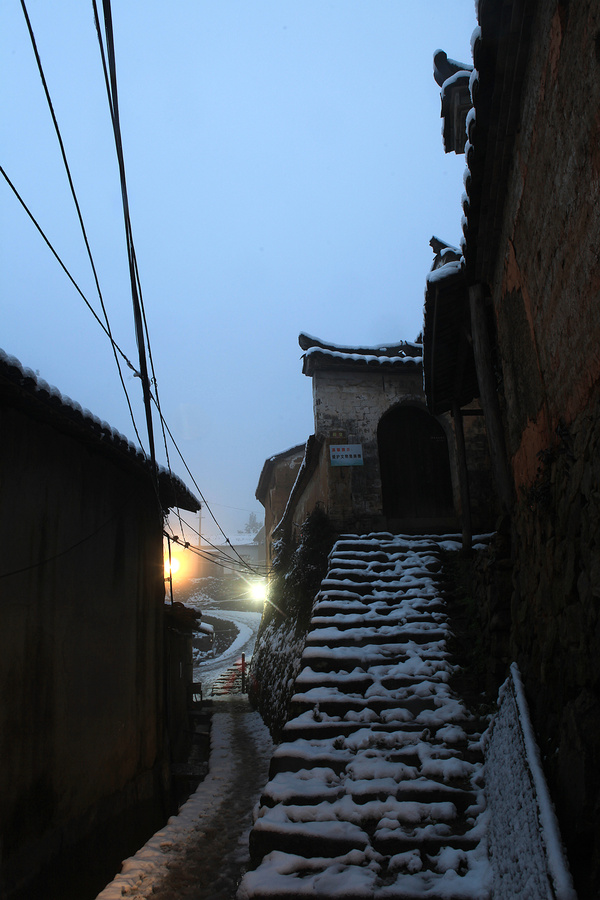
column 208, row 669
column 202, row 851
column 524, row 832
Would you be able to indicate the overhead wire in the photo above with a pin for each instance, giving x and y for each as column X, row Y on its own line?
column 118, row 349
column 110, row 75
column 108, row 60
column 77, row 207
column 221, row 560
column 196, row 485
column 255, row 570
column 141, row 324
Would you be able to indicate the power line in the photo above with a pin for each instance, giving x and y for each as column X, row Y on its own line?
column 113, row 99
column 255, row 570
column 77, row 207
column 196, row 485
column 142, row 331
column 67, row 273
column 220, row 559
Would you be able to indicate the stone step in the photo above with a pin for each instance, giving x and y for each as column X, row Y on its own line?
column 381, row 762
column 322, row 658
column 391, row 844
column 388, row 634
column 290, row 791
column 334, row 604
column 315, row 731
column 307, row 842
column 310, row 835
column 343, row 704
column 369, row 586
column 360, row 680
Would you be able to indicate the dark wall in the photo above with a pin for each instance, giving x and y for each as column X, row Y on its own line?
column 546, row 293
column 81, row 642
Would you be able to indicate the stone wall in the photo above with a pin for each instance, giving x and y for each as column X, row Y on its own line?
column 556, row 627
column 546, row 291
column 354, row 402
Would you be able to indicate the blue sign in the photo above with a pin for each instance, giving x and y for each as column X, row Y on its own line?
column 346, row 454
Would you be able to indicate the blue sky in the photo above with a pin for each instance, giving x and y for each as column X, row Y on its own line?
column 285, row 171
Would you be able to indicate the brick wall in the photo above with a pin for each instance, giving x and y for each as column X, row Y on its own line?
column 546, row 293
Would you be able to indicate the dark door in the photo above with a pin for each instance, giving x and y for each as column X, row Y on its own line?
column 415, row 469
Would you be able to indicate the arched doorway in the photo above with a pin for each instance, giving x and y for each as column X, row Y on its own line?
column 415, row 468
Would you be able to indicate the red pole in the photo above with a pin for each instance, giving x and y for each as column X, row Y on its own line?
column 243, row 673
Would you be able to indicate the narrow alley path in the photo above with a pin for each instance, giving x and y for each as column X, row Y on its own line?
column 202, row 853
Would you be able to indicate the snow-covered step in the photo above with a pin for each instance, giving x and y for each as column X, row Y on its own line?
column 385, row 633
column 326, row 659
column 376, row 789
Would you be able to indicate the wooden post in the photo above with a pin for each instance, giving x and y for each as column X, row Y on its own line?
column 482, row 351
column 463, row 479
column 243, row 673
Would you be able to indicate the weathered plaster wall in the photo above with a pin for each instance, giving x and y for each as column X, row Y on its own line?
column 285, row 470
column 82, row 713
column 313, row 494
column 354, row 401
column 546, row 293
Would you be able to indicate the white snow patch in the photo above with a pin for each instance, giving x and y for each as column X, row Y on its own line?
column 525, row 843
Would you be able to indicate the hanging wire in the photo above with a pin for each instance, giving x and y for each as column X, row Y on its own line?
column 110, row 76
column 202, row 497
column 142, row 331
column 77, row 207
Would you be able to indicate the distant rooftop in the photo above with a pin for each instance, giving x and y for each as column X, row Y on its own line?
column 319, row 354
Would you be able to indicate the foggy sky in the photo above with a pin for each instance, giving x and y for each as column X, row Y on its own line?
column 285, row 171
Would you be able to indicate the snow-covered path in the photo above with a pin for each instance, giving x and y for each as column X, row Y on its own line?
column 201, row 853
column 247, row 622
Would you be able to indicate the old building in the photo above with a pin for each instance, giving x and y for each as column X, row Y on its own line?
column 378, row 459
column 87, row 700
column 273, row 490
column 526, row 297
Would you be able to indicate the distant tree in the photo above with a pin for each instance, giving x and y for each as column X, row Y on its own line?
column 252, row 525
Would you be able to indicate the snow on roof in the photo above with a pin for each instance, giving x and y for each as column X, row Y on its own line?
column 239, row 539
column 392, row 354
column 364, row 357
column 263, row 482
column 62, row 409
column 296, row 450
column 447, row 270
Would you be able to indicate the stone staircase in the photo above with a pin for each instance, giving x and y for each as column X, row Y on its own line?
column 377, row 788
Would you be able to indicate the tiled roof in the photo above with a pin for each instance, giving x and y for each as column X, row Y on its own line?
column 319, row 354
column 24, row 389
column 500, row 54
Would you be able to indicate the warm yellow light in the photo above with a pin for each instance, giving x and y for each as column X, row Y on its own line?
column 175, row 564
column 258, row 591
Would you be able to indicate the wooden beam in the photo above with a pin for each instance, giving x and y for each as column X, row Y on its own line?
column 482, row 350
column 463, row 479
